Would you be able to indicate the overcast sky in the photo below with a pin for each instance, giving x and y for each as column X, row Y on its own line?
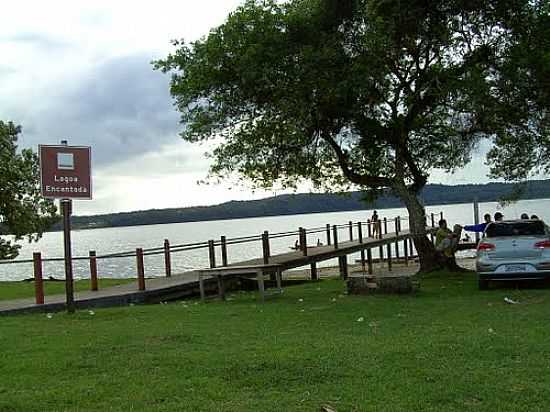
column 81, row 71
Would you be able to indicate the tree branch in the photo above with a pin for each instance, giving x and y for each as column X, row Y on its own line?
column 363, row 180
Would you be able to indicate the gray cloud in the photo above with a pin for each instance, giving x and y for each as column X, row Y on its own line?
column 122, row 108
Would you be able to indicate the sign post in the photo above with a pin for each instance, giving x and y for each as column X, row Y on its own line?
column 65, row 174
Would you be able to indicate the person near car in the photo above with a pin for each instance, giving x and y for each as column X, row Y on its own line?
column 499, row 217
column 480, row 227
column 524, row 216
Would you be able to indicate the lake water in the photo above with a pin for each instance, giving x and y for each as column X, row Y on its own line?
column 110, row 240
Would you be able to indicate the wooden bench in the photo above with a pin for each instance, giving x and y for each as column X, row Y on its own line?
column 258, row 271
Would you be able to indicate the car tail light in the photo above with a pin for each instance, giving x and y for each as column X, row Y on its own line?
column 483, row 246
column 545, row 244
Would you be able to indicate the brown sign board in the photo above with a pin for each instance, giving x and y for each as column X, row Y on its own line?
column 65, row 172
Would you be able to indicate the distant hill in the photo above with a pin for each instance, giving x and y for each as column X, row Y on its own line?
column 291, row 204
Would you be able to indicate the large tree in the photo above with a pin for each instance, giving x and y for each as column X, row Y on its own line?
column 23, row 212
column 370, row 94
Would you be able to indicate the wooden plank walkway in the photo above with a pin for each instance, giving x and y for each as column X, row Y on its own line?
column 187, row 284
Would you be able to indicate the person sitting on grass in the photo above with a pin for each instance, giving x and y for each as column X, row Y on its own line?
column 446, row 243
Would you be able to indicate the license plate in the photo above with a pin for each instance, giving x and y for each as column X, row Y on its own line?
column 516, row 268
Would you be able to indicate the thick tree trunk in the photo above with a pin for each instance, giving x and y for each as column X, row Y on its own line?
column 427, row 254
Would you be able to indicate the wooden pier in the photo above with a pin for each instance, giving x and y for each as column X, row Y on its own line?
column 213, row 279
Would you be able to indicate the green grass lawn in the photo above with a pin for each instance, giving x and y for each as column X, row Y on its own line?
column 448, row 348
column 18, row 290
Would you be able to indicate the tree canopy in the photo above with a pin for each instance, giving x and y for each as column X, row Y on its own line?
column 363, row 93
column 23, row 212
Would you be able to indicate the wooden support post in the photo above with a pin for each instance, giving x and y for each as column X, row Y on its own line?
column 93, row 270
column 385, row 226
column 406, row 251
column 433, row 225
column 328, row 234
column 261, row 288
column 304, row 241
column 350, row 224
column 381, row 254
column 223, row 243
column 389, row 256
column 211, row 254
column 201, row 287
column 140, row 269
column 167, row 259
column 369, row 261
column 221, row 287
column 397, row 250
column 314, row 274
column 265, row 246
column 476, row 217
column 343, row 264
column 38, row 281
column 363, row 260
column 369, row 230
column 411, row 247
column 441, row 215
column 335, row 236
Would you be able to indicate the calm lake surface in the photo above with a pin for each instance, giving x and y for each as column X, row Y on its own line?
column 110, row 240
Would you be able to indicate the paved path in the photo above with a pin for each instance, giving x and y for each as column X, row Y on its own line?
column 186, row 284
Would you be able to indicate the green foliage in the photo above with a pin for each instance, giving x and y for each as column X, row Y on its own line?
column 523, row 139
column 473, row 352
column 367, row 93
column 23, row 212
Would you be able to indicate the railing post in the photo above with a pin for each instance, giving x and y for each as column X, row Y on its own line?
column 140, row 269
column 93, row 270
column 211, row 254
column 38, row 282
column 350, row 224
column 441, row 215
column 265, row 246
column 369, row 231
column 433, row 220
column 360, row 232
column 223, row 242
column 167, row 259
column 335, row 236
column 328, row 234
column 385, row 226
column 380, row 230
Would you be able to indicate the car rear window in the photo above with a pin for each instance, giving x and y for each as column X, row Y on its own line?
column 500, row 229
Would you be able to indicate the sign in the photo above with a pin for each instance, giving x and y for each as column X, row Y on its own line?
column 65, row 172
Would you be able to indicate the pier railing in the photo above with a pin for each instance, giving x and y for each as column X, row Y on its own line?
column 332, row 235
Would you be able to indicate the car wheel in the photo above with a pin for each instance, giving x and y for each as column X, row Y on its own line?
column 483, row 284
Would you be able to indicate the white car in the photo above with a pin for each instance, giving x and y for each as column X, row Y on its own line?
column 513, row 250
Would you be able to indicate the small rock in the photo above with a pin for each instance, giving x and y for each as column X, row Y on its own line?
column 361, row 319
column 91, row 312
column 49, row 315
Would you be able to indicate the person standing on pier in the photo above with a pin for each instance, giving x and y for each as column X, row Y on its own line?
column 374, row 220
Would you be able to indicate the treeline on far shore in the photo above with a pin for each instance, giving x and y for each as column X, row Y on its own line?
column 290, row 204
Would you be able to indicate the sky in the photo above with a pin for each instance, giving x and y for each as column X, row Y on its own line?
column 81, row 71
